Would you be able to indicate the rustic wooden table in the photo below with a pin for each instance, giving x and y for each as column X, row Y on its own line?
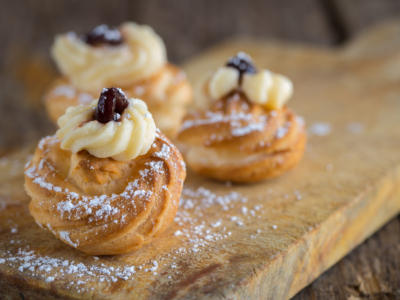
column 27, row 28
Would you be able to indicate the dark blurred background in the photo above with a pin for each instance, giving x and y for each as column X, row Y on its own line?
column 188, row 27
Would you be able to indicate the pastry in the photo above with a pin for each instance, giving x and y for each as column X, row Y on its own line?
column 132, row 57
column 108, row 181
column 247, row 133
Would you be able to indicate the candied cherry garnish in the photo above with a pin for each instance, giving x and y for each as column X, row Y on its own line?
column 111, row 105
column 103, row 34
column 243, row 63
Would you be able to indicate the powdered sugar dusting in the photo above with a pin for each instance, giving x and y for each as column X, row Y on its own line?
column 320, row 129
column 164, row 153
column 247, row 129
column 240, row 123
column 75, row 206
column 199, row 226
column 282, row 131
column 51, row 268
column 209, row 199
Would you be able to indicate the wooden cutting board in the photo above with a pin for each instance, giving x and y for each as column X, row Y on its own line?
column 265, row 240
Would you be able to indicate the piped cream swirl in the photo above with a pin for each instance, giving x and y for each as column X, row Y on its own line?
column 126, row 139
column 90, row 68
column 264, row 87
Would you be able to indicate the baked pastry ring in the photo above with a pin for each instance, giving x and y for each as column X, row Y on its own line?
column 239, row 140
column 104, row 206
column 137, row 64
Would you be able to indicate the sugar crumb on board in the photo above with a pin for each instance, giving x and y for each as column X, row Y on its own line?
column 320, row 129
column 355, row 127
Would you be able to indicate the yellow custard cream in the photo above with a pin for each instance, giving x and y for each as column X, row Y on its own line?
column 130, row 136
column 262, row 87
column 92, row 67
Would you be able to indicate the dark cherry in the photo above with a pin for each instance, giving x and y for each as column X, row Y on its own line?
column 243, row 63
column 103, row 34
column 111, row 105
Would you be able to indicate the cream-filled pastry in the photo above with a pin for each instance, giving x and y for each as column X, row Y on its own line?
column 247, row 133
column 108, row 181
column 132, row 57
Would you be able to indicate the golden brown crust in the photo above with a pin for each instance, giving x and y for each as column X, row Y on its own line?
column 102, row 206
column 239, row 141
column 167, row 93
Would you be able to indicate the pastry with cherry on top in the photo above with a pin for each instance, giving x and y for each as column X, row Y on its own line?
column 132, row 57
column 247, row 133
column 108, row 181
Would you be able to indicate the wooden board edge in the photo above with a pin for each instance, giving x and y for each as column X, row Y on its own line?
column 354, row 223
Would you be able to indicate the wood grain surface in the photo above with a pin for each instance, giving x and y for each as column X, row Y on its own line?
column 267, row 240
